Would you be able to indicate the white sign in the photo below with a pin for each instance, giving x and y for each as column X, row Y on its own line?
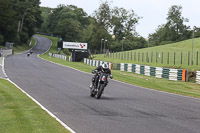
column 74, row 45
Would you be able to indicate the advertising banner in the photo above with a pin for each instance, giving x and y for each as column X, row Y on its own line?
column 74, row 45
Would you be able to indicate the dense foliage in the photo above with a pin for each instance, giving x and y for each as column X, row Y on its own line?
column 19, row 18
column 73, row 24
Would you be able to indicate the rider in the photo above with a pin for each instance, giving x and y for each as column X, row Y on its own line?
column 103, row 68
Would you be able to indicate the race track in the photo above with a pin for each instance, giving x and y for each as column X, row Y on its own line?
column 123, row 108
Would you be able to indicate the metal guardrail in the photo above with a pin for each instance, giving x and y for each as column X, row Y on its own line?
column 96, row 63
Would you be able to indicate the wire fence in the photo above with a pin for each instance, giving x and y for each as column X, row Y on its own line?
column 165, row 58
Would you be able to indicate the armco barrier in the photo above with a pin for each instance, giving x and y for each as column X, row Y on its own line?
column 96, row 63
column 159, row 72
column 198, row 77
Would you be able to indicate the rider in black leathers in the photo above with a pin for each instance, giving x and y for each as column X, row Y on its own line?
column 103, row 68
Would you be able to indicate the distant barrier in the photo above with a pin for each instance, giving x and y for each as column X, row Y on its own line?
column 198, row 77
column 159, row 72
column 96, row 63
column 64, row 57
column 6, row 52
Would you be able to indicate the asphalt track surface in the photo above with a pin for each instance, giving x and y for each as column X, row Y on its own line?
column 123, row 108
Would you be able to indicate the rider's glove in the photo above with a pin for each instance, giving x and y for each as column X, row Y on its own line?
column 111, row 76
column 94, row 71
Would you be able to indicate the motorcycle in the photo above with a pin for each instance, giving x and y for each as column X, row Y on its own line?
column 101, row 80
column 28, row 54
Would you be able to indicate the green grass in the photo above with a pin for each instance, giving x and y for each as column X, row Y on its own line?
column 184, row 47
column 23, row 47
column 1, row 60
column 182, row 88
column 19, row 114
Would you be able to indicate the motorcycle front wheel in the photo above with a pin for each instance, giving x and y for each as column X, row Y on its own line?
column 100, row 91
column 92, row 92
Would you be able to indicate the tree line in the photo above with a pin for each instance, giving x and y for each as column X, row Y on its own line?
column 18, row 20
column 106, row 25
column 113, row 26
column 110, row 26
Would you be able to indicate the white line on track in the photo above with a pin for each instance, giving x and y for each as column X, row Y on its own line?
column 51, row 114
column 3, row 70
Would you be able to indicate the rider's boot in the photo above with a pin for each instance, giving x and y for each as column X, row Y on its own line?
column 91, row 86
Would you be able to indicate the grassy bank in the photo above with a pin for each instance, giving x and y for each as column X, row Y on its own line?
column 24, row 47
column 164, row 56
column 182, row 88
column 19, row 114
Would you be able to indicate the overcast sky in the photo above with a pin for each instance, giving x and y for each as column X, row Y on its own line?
column 154, row 12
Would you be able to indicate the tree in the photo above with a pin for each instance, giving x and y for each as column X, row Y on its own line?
column 67, row 22
column 117, row 22
column 103, row 15
column 8, row 23
column 175, row 23
column 174, row 30
column 19, row 18
column 28, row 16
column 123, row 22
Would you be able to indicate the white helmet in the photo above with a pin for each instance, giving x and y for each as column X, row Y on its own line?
column 104, row 66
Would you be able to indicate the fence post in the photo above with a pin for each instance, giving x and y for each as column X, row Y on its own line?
column 188, row 58
column 168, row 58
column 131, row 56
column 138, row 56
column 146, row 56
column 128, row 56
column 142, row 56
column 151, row 57
column 156, row 57
column 134, row 56
column 197, row 58
column 124, row 55
column 181, row 58
column 162, row 58
column 174, row 58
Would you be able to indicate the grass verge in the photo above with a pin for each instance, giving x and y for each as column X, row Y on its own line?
column 19, row 114
column 182, row 88
column 1, row 58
